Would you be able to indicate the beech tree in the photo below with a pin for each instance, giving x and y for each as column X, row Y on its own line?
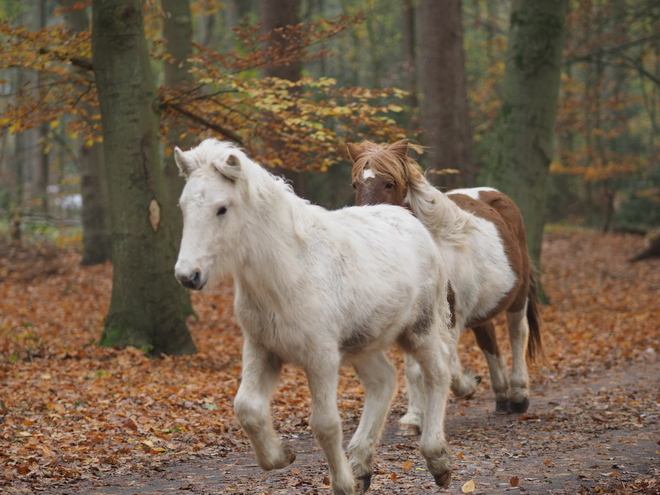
column 177, row 31
column 523, row 145
column 148, row 306
column 276, row 15
column 445, row 118
column 96, row 245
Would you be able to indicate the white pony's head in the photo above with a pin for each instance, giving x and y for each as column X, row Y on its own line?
column 211, row 214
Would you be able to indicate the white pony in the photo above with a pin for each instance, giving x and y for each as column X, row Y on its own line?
column 317, row 288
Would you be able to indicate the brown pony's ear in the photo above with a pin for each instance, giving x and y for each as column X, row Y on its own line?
column 354, row 151
column 400, row 148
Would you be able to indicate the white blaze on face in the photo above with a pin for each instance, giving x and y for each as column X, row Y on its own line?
column 367, row 173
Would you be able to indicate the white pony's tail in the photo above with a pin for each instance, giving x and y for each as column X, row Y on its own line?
column 444, row 219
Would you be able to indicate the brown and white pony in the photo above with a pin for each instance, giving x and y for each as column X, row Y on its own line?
column 481, row 237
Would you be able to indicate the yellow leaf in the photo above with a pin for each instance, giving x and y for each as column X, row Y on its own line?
column 54, row 124
column 468, row 487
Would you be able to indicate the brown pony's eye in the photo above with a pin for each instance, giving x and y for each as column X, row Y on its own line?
column 354, row 185
column 389, row 185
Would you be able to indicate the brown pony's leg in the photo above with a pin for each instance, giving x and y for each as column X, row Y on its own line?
column 499, row 380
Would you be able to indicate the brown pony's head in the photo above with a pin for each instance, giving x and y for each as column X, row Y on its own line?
column 382, row 173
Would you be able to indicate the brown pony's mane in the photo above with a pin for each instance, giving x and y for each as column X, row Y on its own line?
column 391, row 161
column 438, row 213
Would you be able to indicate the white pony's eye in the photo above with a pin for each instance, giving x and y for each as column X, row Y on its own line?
column 222, row 210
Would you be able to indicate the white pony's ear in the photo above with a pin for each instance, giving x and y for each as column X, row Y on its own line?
column 186, row 165
column 229, row 168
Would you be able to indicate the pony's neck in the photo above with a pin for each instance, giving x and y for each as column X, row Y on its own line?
column 273, row 235
column 440, row 215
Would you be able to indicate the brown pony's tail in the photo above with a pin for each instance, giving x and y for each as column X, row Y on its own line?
column 535, row 342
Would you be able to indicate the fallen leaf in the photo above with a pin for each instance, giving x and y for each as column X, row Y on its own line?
column 468, row 487
column 407, row 466
column 514, row 481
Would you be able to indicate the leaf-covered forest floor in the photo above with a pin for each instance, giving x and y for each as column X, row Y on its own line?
column 77, row 418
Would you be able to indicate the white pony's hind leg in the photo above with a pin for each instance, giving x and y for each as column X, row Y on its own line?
column 325, row 421
column 378, row 376
column 433, row 356
column 519, row 381
column 261, row 371
column 414, row 417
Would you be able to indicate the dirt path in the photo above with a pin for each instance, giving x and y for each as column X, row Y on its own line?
column 583, row 434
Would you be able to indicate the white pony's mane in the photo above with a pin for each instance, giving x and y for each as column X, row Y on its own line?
column 444, row 219
column 260, row 185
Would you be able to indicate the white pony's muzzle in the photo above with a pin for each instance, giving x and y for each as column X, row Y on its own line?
column 189, row 277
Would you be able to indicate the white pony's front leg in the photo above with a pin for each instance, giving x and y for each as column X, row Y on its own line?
column 433, row 355
column 518, row 335
column 378, row 376
column 414, row 417
column 261, row 370
column 323, row 377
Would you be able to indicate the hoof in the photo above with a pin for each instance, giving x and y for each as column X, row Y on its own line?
column 362, row 484
column 442, row 480
column 290, row 455
column 409, row 430
column 502, row 406
column 519, row 407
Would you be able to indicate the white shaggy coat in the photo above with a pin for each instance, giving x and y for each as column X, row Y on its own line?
column 318, row 288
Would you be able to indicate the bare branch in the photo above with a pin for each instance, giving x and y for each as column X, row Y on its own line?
column 201, row 120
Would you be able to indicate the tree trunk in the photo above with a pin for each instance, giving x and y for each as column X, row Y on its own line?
column 525, row 127
column 445, row 118
column 653, row 251
column 41, row 164
column 147, row 308
column 97, row 245
column 409, row 60
column 177, row 31
column 277, row 14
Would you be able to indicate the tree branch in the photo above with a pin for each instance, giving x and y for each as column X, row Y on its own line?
column 201, row 120
column 604, row 51
column 83, row 63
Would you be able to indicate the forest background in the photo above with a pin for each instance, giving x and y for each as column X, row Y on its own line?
column 346, row 70
column 604, row 170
